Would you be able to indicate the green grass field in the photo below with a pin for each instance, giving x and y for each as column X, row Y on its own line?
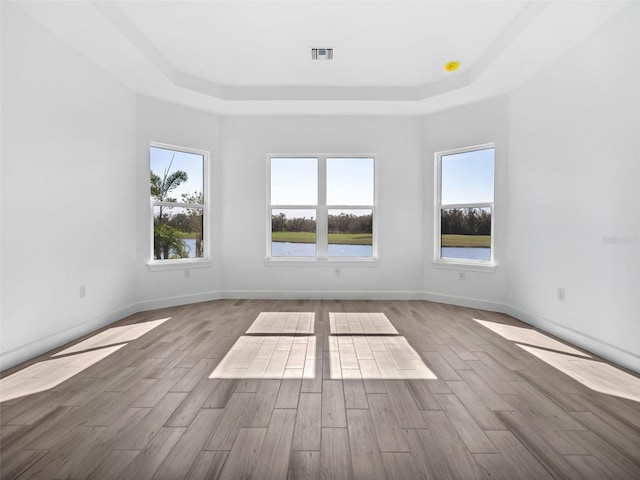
column 451, row 240
column 351, row 238
column 366, row 239
column 334, row 238
column 293, row 237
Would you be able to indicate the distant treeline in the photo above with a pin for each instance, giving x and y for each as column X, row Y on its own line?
column 465, row 221
column 343, row 223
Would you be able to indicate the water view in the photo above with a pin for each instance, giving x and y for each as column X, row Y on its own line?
column 290, row 249
column 469, row 253
column 190, row 245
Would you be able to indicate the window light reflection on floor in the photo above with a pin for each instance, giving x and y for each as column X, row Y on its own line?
column 360, row 323
column 62, row 366
column 283, row 323
column 529, row 336
column 375, row 357
column 43, row 376
column 269, row 357
column 598, row 376
column 383, row 354
column 111, row 336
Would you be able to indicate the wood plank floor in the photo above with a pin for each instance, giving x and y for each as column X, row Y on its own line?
column 292, row 398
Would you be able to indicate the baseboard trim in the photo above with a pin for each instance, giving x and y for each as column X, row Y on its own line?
column 465, row 302
column 33, row 349
column 321, row 295
column 617, row 355
column 178, row 300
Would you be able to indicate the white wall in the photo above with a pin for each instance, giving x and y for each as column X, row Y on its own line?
column 166, row 123
column 476, row 124
column 1, row 169
column 574, row 169
column 396, row 141
column 68, row 180
column 75, row 193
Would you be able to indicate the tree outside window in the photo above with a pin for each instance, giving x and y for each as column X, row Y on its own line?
column 178, row 203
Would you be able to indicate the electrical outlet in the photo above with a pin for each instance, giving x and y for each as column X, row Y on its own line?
column 187, row 274
column 561, row 294
column 460, row 275
column 82, row 291
column 338, row 272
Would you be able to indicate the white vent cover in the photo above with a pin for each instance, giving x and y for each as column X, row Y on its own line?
column 322, row 53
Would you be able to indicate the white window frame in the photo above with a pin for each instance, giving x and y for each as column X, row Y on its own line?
column 322, row 213
column 461, row 263
column 176, row 263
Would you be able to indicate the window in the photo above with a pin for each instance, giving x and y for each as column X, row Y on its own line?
column 464, row 205
column 179, row 210
column 321, row 207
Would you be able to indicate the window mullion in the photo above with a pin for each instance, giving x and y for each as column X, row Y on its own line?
column 460, row 206
column 322, row 221
column 178, row 204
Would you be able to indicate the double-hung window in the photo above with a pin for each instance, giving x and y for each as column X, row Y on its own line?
column 321, row 207
column 179, row 206
column 465, row 205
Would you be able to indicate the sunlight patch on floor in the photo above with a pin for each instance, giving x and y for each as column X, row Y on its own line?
column 529, row 336
column 360, row 323
column 283, row 323
column 375, row 357
column 111, row 336
column 352, row 354
column 598, row 376
column 48, row 374
column 269, row 357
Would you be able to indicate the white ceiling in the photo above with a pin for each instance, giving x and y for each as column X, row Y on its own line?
column 253, row 57
column 268, row 43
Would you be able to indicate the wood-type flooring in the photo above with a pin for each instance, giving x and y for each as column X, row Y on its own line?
column 456, row 393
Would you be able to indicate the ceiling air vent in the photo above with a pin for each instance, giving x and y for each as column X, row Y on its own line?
column 322, row 53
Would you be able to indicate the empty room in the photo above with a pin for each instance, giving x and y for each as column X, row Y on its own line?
column 320, row 239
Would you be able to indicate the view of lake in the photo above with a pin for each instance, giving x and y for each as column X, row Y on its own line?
column 191, row 246
column 287, row 249
column 476, row 253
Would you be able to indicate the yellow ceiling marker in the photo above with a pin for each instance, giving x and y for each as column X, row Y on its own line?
column 452, row 66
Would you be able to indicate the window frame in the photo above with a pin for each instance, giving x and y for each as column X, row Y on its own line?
column 457, row 263
column 322, row 212
column 176, row 263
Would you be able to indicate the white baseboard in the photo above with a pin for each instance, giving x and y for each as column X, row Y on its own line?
column 603, row 349
column 37, row 347
column 465, row 302
column 178, row 300
column 321, row 295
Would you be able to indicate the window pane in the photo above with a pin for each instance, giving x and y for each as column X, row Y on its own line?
column 468, row 177
column 176, row 176
column 351, row 233
column 177, row 233
column 293, row 233
column 294, row 181
column 466, row 233
column 350, row 181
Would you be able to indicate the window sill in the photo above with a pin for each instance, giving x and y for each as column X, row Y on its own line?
column 160, row 265
column 314, row 262
column 466, row 266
